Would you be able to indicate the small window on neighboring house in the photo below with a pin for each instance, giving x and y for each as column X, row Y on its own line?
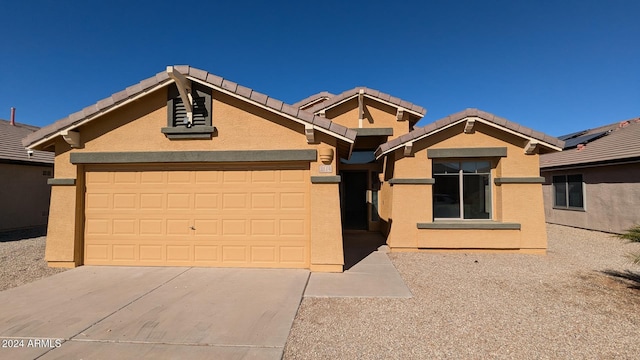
column 568, row 192
column 178, row 127
column 462, row 190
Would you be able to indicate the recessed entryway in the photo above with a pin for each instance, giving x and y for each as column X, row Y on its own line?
column 354, row 200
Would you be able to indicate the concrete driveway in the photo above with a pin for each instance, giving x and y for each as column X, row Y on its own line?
column 165, row 313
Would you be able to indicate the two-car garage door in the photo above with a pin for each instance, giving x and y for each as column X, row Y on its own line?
column 226, row 216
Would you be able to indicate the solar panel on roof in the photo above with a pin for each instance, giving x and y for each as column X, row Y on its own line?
column 583, row 139
column 572, row 135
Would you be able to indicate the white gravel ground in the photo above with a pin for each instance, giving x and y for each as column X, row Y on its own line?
column 22, row 259
column 498, row 306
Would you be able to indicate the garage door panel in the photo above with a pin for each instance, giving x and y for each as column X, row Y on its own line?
column 204, row 201
column 234, row 254
column 206, row 253
column 180, row 201
column 178, row 177
column 228, row 217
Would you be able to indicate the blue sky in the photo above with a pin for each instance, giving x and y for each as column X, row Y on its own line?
column 556, row 66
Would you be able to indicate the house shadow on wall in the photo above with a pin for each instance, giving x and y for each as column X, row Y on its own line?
column 628, row 277
column 22, row 234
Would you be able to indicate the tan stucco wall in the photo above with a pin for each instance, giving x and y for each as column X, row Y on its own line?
column 24, row 194
column 513, row 203
column 376, row 115
column 326, row 226
column 611, row 196
column 240, row 126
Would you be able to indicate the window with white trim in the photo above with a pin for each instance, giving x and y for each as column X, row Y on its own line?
column 462, row 190
column 568, row 192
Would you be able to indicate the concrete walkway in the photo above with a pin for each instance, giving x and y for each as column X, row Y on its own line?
column 373, row 276
column 164, row 313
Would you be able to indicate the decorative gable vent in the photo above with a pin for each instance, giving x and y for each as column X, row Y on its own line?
column 178, row 126
column 201, row 107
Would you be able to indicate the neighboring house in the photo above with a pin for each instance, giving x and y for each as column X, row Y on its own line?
column 188, row 169
column 24, row 193
column 594, row 183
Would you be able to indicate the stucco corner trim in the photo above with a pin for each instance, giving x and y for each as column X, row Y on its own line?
column 467, row 152
column 518, row 180
column 326, row 179
column 426, row 181
column 192, row 156
column 373, row 131
column 61, row 182
column 472, row 225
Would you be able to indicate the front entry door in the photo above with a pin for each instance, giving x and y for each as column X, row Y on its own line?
column 354, row 198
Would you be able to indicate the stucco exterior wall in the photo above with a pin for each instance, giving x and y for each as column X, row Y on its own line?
column 25, row 195
column 520, row 203
column 137, row 127
column 611, row 196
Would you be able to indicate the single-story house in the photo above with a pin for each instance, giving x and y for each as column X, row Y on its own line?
column 189, row 169
column 24, row 193
column 594, row 183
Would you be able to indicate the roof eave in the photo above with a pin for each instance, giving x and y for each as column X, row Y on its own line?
column 355, row 95
column 380, row 153
column 83, row 120
column 92, row 112
column 348, row 137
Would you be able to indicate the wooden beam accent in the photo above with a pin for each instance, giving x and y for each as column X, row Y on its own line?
column 468, row 127
column 310, row 133
column 72, row 138
column 184, row 88
column 360, row 107
column 400, row 114
column 531, row 146
column 408, row 148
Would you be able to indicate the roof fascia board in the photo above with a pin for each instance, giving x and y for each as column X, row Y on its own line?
column 418, row 139
column 394, row 105
column 527, row 138
column 589, row 165
column 100, row 113
column 478, row 119
column 313, row 102
column 337, row 103
column 272, row 110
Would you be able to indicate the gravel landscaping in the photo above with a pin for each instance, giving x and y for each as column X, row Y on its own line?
column 580, row 301
column 22, row 258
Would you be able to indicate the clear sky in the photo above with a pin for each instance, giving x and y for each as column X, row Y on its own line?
column 554, row 65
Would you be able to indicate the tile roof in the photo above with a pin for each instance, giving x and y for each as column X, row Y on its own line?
column 438, row 124
column 162, row 78
column 371, row 92
column 312, row 98
column 621, row 143
column 11, row 147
